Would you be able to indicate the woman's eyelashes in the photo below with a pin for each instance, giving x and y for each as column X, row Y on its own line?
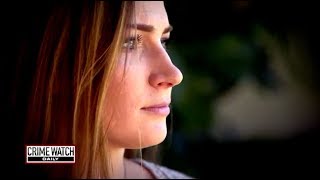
column 164, row 42
column 133, row 42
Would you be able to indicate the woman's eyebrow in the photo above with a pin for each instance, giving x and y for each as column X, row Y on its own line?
column 150, row 28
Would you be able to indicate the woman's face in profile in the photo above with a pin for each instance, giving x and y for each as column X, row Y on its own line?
column 140, row 91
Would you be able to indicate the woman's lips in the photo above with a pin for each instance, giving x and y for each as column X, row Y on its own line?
column 161, row 109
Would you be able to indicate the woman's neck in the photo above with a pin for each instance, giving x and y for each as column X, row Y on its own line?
column 117, row 163
column 122, row 168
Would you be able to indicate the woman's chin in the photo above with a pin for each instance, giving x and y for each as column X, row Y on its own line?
column 155, row 141
column 148, row 141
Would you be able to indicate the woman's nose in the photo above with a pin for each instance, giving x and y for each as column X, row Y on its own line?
column 164, row 74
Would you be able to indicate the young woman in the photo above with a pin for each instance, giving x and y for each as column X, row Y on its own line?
column 102, row 82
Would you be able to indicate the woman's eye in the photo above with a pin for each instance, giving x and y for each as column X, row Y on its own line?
column 164, row 42
column 130, row 43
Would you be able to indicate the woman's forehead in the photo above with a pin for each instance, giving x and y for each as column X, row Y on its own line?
column 150, row 12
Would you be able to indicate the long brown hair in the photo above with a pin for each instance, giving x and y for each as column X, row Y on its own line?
column 78, row 53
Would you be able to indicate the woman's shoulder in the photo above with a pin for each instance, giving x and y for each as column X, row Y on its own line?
column 161, row 172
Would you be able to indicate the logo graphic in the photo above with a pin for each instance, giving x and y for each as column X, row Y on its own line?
column 50, row 154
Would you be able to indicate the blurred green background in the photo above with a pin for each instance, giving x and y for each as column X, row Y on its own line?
column 250, row 85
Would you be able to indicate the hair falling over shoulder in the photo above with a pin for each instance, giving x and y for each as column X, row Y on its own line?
column 78, row 51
